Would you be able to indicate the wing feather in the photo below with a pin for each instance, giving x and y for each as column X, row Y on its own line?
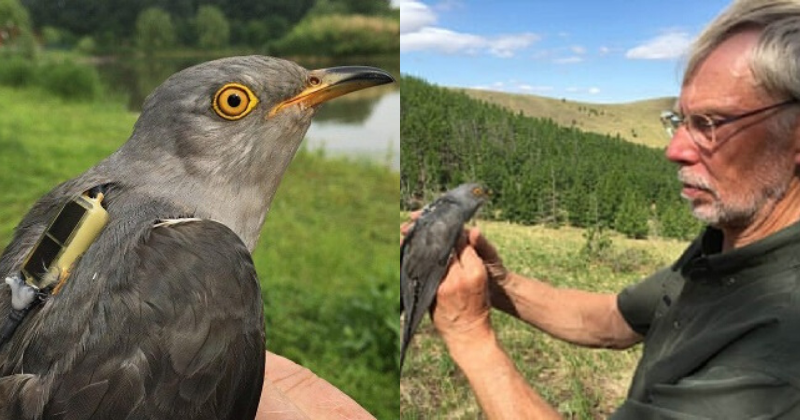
column 177, row 333
column 425, row 257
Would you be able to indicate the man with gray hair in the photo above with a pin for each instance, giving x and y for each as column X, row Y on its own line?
column 721, row 326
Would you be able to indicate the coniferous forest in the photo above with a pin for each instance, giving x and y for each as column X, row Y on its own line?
column 538, row 172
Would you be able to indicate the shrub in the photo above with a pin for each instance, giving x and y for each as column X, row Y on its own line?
column 597, row 245
column 154, row 30
column 71, row 81
column 340, row 35
column 213, row 30
column 16, row 71
column 86, row 45
column 53, row 37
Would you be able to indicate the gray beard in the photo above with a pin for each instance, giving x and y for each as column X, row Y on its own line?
column 719, row 213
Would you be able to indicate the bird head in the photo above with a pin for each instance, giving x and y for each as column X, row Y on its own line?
column 469, row 196
column 227, row 129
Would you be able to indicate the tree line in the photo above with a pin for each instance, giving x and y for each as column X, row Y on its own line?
column 112, row 25
column 539, row 172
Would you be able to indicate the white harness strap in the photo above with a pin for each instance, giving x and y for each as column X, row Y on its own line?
column 173, row 222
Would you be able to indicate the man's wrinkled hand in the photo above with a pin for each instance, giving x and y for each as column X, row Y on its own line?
column 461, row 311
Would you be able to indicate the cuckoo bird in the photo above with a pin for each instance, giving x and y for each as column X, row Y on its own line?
column 161, row 317
column 427, row 249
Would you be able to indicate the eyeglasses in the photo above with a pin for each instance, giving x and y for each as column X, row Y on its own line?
column 702, row 128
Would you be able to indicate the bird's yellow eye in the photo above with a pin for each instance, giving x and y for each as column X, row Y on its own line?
column 234, row 101
column 477, row 191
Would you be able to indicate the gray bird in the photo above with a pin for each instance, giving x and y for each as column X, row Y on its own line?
column 161, row 318
column 427, row 249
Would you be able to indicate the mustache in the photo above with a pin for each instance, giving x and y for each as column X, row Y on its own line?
column 695, row 181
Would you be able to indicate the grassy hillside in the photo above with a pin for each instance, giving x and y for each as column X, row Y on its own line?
column 327, row 258
column 635, row 121
column 580, row 383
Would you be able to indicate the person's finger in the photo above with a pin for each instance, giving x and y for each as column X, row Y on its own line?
column 482, row 246
column 471, row 262
column 314, row 396
column 475, row 235
column 465, row 268
column 405, row 227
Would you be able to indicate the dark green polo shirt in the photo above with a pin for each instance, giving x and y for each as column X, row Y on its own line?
column 722, row 333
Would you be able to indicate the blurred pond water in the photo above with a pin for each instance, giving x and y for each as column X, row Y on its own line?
column 362, row 125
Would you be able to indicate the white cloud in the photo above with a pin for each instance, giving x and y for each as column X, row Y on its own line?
column 529, row 88
column 663, row 47
column 447, row 5
column 414, row 15
column 582, row 90
column 418, row 33
column 452, row 42
column 568, row 60
column 506, row 45
column 493, row 86
column 604, row 50
column 514, row 86
column 443, row 40
column 577, row 49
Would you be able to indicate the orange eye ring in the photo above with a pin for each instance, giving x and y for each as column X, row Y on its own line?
column 234, row 101
column 477, row 191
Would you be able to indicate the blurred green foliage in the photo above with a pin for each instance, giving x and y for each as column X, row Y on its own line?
column 16, row 71
column 64, row 79
column 211, row 28
column 71, row 81
column 341, row 35
column 16, row 30
column 154, row 30
column 117, row 26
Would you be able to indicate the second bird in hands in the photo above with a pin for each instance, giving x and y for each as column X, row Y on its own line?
column 427, row 249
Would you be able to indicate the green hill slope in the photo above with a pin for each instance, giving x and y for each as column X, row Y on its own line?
column 636, row 122
column 540, row 171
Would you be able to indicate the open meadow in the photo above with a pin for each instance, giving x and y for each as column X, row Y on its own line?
column 327, row 257
column 580, row 383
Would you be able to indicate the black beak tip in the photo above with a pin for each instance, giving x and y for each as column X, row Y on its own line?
column 374, row 76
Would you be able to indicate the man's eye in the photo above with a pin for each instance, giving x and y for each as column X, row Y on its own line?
column 702, row 122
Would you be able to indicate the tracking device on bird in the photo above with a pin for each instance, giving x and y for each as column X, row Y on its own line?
column 69, row 235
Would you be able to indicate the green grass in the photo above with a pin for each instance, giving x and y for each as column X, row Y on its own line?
column 637, row 122
column 580, row 383
column 327, row 257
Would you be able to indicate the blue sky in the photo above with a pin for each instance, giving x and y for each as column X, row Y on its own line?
column 603, row 51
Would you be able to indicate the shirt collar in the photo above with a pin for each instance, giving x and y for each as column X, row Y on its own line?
column 705, row 255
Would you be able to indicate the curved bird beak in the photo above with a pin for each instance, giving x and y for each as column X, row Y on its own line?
column 325, row 84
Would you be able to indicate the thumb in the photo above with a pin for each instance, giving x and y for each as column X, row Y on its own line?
column 483, row 247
